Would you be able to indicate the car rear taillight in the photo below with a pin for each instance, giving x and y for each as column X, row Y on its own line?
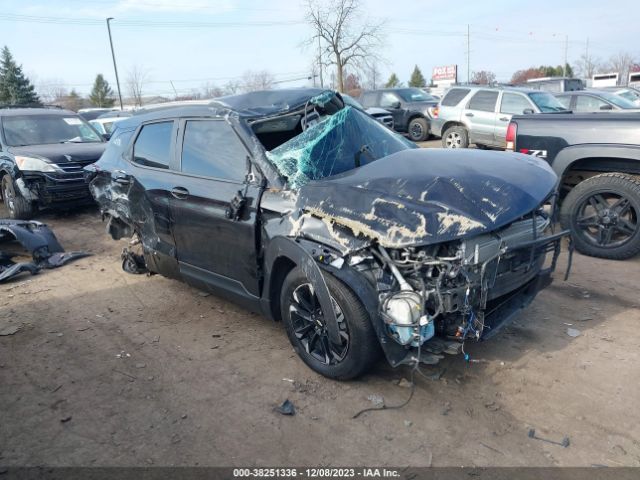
column 435, row 111
column 512, row 130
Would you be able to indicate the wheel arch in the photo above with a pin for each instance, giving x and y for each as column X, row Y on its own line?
column 597, row 159
column 452, row 123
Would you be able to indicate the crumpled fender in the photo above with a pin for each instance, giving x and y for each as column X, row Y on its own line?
column 286, row 247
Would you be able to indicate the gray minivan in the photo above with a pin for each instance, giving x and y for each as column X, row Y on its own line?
column 480, row 114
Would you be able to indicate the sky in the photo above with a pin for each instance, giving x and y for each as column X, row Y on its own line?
column 194, row 42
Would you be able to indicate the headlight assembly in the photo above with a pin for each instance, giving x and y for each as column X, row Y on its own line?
column 34, row 164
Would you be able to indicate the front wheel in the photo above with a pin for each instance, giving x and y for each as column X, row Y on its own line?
column 17, row 206
column 306, row 328
column 602, row 214
column 455, row 137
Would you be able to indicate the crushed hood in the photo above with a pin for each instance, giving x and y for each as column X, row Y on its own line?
column 421, row 196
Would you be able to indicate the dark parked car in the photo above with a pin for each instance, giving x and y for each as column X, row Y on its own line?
column 380, row 114
column 585, row 101
column 410, row 107
column 43, row 153
column 311, row 212
column 597, row 159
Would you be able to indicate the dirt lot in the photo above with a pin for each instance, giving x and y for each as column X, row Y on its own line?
column 146, row 370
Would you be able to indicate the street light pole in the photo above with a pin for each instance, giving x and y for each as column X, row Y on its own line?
column 114, row 62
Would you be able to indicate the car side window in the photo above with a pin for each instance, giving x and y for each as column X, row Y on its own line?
column 484, row 101
column 514, row 104
column 587, row 103
column 565, row 101
column 388, row 99
column 152, row 148
column 368, row 99
column 454, row 96
column 212, row 149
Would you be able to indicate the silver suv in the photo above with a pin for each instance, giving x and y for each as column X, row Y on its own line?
column 479, row 114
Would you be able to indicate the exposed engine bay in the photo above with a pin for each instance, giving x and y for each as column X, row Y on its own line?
column 457, row 290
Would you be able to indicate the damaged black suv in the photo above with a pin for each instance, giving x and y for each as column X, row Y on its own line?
column 42, row 153
column 311, row 212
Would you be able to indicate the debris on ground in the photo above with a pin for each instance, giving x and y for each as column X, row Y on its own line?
column 376, row 399
column 39, row 241
column 286, row 408
column 66, row 419
column 573, row 332
column 404, row 383
column 446, row 409
column 564, row 443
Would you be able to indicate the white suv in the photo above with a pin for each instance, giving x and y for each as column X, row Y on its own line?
column 480, row 115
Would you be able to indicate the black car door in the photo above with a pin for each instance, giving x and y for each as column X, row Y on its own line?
column 214, row 205
column 145, row 186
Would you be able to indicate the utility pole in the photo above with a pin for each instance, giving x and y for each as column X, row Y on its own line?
column 566, row 48
column 115, row 68
column 468, row 55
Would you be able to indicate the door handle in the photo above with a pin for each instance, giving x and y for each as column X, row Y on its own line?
column 504, row 119
column 180, row 193
column 469, row 114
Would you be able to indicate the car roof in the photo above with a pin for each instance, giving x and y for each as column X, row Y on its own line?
column 506, row 88
column 258, row 104
column 9, row 112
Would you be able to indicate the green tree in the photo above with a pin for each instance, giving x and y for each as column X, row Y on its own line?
column 101, row 95
column 393, row 81
column 15, row 88
column 417, row 79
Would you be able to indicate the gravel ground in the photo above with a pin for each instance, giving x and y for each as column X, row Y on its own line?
column 115, row 369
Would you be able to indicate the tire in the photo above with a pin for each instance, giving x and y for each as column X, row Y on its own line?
column 16, row 205
column 455, row 137
column 602, row 213
column 418, row 129
column 359, row 350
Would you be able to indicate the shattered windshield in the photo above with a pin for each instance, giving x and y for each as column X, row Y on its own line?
column 341, row 142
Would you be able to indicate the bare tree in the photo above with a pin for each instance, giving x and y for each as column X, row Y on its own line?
column 587, row 65
column 210, row 90
column 373, row 77
column 256, row 80
column 621, row 63
column 232, row 87
column 483, row 77
column 136, row 80
column 345, row 41
column 51, row 90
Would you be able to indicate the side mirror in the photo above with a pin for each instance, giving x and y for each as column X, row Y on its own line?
column 395, row 105
column 606, row 107
column 528, row 111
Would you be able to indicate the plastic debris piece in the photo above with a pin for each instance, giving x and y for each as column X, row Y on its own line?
column 573, row 332
column 286, row 408
column 376, row 399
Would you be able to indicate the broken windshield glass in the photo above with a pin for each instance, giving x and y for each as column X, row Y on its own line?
column 341, row 142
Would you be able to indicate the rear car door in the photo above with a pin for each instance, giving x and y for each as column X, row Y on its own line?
column 510, row 104
column 216, row 242
column 147, row 186
column 480, row 117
